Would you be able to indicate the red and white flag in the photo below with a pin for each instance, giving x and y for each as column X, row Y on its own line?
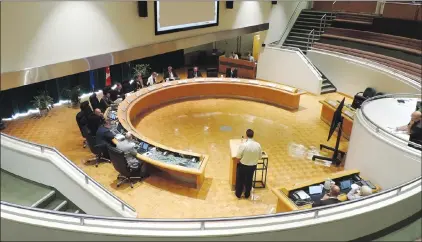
column 108, row 77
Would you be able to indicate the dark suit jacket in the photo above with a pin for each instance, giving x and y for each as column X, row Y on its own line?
column 191, row 74
column 230, row 74
column 94, row 121
column 115, row 94
column 104, row 136
column 167, row 75
column 325, row 202
column 104, row 104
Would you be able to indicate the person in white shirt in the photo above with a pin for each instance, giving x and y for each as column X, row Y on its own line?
column 357, row 192
column 234, row 56
column 152, row 79
column 250, row 57
column 247, row 157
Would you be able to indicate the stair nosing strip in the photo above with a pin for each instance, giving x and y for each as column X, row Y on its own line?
column 41, row 200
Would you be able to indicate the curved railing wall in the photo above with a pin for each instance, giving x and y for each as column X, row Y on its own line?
column 382, row 156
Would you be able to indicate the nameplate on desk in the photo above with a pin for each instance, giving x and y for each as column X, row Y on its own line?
column 182, row 81
column 332, row 103
column 234, row 80
column 271, row 84
column 253, row 82
column 349, row 113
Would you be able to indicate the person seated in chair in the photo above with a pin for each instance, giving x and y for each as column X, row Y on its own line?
column 414, row 129
column 127, row 146
column 358, row 192
column 250, row 57
column 194, row 73
column 104, row 137
column 234, row 56
column 117, row 92
column 231, row 72
column 152, row 79
column 105, row 101
column 82, row 120
column 95, row 120
column 170, row 75
column 330, row 198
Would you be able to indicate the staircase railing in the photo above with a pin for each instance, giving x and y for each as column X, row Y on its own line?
column 322, row 23
column 311, row 39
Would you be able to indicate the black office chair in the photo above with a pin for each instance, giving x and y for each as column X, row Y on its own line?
column 126, row 174
column 98, row 150
column 94, row 101
column 360, row 97
column 380, row 94
column 212, row 72
column 190, row 72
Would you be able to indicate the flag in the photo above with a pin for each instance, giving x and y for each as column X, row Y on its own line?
column 92, row 80
column 108, row 77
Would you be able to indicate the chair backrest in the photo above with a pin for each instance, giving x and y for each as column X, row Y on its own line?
column 369, row 92
column 117, row 158
column 94, row 101
column 91, row 140
column 212, row 72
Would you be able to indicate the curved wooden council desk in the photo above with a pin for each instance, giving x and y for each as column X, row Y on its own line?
column 147, row 99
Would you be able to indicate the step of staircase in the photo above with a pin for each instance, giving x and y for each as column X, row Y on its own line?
column 42, row 202
column 328, row 90
column 55, row 204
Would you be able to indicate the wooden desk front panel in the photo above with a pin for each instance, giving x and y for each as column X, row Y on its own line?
column 245, row 69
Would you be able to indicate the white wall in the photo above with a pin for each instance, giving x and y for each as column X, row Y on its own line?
column 41, row 33
column 350, row 77
column 280, row 15
column 287, row 67
column 378, row 158
column 50, row 169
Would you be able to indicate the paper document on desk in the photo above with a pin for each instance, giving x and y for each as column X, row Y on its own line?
column 271, row 84
column 183, row 81
column 349, row 113
column 253, row 82
column 332, row 103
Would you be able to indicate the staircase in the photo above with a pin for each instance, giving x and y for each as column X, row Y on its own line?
column 327, row 86
column 18, row 190
column 307, row 21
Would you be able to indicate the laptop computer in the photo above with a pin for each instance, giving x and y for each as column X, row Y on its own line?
column 315, row 189
column 346, row 184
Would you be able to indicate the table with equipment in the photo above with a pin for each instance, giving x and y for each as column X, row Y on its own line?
column 327, row 111
column 260, row 176
column 300, row 196
column 245, row 68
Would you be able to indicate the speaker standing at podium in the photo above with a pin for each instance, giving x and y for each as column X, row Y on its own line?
column 248, row 155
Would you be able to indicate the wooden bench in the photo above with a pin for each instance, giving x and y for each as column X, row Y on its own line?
column 384, row 40
column 405, row 66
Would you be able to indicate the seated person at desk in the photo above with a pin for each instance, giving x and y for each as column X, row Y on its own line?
column 231, row 72
column 250, row 57
column 194, row 73
column 234, row 56
column 170, row 75
column 414, row 128
column 104, row 137
column 357, row 192
column 117, row 92
column 152, row 79
column 105, row 100
column 330, row 198
column 95, row 120
column 128, row 147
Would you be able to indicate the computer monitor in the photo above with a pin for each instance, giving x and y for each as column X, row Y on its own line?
column 315, row 189
column 346, row 184
column 120, row 128
column 145, row 146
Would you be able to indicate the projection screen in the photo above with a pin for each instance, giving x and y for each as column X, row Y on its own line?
column 174, row 16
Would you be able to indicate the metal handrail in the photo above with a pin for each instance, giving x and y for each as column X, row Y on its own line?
column 379, row 128
column 87, row 178
column 311, row 34
column 290, row 20
column 290, row 213
column 321, row 25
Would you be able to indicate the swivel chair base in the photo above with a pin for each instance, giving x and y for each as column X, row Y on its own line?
column 125, row 179
column 97, row 160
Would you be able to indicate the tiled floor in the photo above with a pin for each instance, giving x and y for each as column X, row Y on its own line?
column 203, row 126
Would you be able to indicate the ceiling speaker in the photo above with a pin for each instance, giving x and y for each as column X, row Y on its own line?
column 143, row 9
column 229, row 4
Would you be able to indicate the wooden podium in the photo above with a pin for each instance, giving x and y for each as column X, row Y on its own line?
column 245, row 69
